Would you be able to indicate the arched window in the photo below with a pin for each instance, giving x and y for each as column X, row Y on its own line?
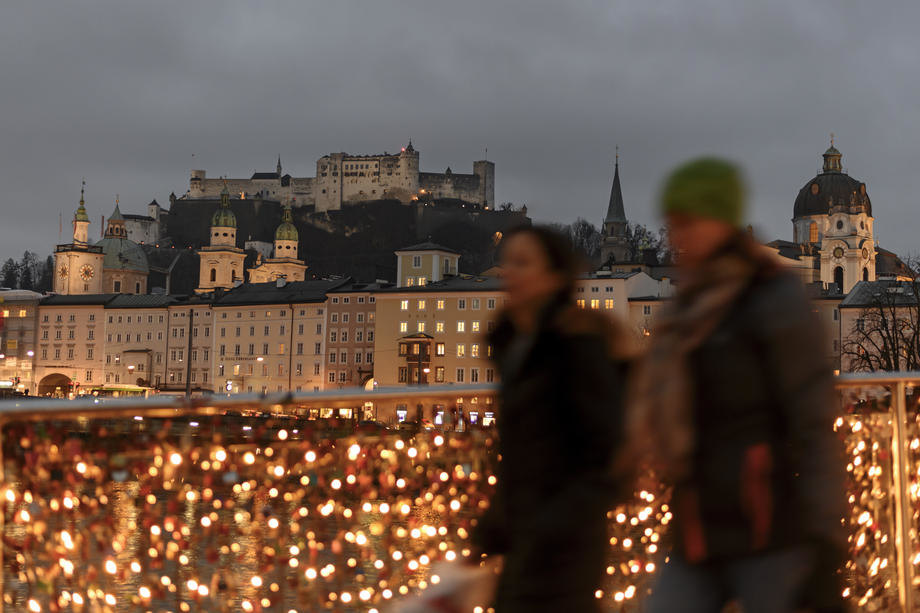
column 838, row 278
column 213, row 275
column 813, row 232
column 865, row 274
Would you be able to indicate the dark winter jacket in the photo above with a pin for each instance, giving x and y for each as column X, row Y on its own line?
column 767, row 470
column 559, row 424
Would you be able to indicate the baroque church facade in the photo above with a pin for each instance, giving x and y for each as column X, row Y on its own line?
column 833, row 231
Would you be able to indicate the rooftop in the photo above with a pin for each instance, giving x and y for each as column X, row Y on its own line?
column 294, row 292
column 427, row 246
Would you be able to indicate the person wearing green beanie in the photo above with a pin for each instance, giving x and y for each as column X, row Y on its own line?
column 706, row 187
column 733, row 405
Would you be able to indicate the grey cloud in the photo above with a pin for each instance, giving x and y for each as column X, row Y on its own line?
column 125, row 93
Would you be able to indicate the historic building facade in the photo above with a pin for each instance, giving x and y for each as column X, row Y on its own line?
column 115, row 264
column 18, row 339
column 284, row 264
column 342, row 179
column 221, row 261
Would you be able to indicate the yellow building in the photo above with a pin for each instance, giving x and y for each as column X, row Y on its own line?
column 270, row 337
column 425, row 263
column 436, row 334
column 71, row 344
column 135, row 344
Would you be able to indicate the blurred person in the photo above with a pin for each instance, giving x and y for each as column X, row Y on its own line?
column 733, row 404
column 562, row 373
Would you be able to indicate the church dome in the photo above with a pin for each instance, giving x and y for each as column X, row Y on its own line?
column 830, row 188
column 223, row 217
column 123, row 254
column 287, row 231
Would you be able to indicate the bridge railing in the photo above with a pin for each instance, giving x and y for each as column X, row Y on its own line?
column 298, row 502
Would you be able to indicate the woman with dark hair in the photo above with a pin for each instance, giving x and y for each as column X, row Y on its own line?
column 562, row 371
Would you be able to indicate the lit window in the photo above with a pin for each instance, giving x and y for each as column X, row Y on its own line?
column 439, row 349
column 404, row 326
column 461, row 350
column 439, row 326
column 440, row 304
column 474, row 326
column 474, row 350
column 423, row 281
column 595, row 303
column 461, row 326
column 421, row 326
column 580, row 302
column 403, row 305
column 421, row 305
column 608, row 303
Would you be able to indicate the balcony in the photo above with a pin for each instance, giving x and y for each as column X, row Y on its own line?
column 284, row 502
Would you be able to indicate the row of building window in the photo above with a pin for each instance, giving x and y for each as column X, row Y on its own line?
column 342, row 357
column 439, row 375
column 337, row 336
column 441, row 303
column 439, row 326
column 359, row 317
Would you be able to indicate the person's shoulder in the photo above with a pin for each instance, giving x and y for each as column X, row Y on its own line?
column 576, row 323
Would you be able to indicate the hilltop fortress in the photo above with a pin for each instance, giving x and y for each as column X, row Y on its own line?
column 342, row 179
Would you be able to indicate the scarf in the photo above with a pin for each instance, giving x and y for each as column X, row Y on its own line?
column 660, row 420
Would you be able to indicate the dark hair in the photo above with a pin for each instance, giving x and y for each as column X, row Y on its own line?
column 560, row 253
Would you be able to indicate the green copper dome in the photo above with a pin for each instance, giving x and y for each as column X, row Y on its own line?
column 287, row 231
column 81, row 215
column 224, row 217
column 123, row 254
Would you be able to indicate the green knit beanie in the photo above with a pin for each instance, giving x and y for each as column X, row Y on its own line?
column 705, row 187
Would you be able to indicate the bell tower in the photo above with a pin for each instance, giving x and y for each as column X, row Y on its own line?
column 221, row 262
column 615, row 247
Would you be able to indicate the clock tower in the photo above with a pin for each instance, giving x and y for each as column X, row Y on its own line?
column 78, row 265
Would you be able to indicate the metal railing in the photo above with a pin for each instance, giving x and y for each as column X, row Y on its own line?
column 262, row 503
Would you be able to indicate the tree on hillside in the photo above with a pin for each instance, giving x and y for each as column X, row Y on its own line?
column 9, row 274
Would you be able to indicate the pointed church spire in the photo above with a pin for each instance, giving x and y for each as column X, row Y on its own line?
column 279, row 165
column 81, row 215
column 615, row 209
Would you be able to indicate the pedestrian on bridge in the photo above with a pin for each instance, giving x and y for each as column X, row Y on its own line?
column 562, row 371
column 734, row 406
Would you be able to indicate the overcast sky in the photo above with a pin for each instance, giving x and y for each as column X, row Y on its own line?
column 125, row 93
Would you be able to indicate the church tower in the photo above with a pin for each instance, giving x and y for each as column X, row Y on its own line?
column 221, row 262
column 615, row 247
column 284, row 264
column 78, row 265
column 833, row 217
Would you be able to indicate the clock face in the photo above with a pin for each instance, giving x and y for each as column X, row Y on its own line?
column 865, row 253
column 62, row 271
column 86, row 272
column 838, row 252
